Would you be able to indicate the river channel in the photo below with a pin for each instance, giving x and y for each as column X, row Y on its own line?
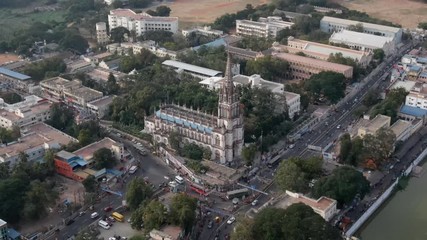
column 403, row 216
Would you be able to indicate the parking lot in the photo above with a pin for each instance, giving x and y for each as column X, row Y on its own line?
column 122, row 229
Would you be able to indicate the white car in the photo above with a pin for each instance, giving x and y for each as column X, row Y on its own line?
column 255, row 202
column 231, row 220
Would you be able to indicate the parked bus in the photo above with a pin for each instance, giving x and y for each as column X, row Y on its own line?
column 103, row 224
column 118, row 216
column 199, row 189
column 272, row 162
column 179, row 179
column 237, row 193
column 133, row 169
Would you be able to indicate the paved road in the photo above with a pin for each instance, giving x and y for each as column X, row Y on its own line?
column 151, row 167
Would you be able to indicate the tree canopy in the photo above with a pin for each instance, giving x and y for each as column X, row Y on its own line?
column 9, row 135
column 422, row 25
column 41, row 69
column 268, row 67
column 160, row 11
column 390, row 105
column 138, row 192
column 330, row 85
column 90, row 184
column 183, row 211
column 342, row 185
column 298, row 221
column 104, row 158
column 155, row 214
column 118, row 34
column 294, row 174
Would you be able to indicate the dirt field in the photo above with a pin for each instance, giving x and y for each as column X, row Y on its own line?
column 205, row 11
column 404, row 12
column 4, row 58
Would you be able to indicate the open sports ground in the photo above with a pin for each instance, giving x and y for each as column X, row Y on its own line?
column 407, row 13
column 206, row 11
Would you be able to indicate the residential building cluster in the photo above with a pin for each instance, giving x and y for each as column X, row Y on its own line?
column 141, row 22
column 30, row 111
column 34, row 141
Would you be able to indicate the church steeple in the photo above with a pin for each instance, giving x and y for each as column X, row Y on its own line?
column 227, row 94
column 228, row 99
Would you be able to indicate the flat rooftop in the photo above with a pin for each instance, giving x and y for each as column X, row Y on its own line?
column 37, row 135
column 87, row 152
column 378, row 122
column 407, row 85
column 365, row 25
column 322, row 203
column 290, row 95
column 103, row 101
column 128, row 13
column 400, row 126
column 103, row 74
column 84, row 92
column 311, row 61
column 192, row 68
column 362, row 39
column 59, row 83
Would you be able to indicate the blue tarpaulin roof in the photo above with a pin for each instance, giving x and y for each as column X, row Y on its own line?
column 13, row 74
column 13, row 234
column 214, row 44
column 413, row 111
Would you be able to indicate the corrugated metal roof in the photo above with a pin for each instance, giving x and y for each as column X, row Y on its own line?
column 192, row 68
column 14, row 74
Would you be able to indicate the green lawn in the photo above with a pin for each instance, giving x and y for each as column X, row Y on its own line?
column 14, row 19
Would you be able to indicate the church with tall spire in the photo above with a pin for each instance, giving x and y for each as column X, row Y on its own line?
column 223, row 134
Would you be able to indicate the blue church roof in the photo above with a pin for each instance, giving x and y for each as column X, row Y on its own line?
column 183, row 122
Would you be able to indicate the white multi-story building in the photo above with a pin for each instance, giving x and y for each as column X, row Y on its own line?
column 264, row 28
column 293, row 100
column 141, row 22
column 331, row 24
column 30, row 111
column 101, row 33
column 363, row 41
column 222, row 134
column 417, row 97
